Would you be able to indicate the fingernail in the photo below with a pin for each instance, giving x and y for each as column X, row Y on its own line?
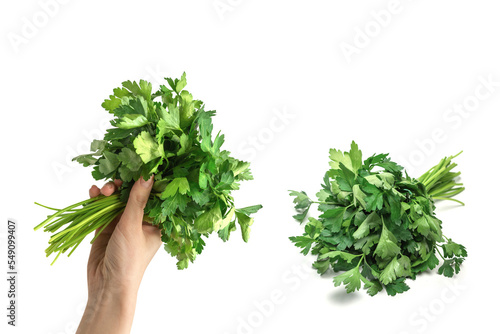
column 148, row 183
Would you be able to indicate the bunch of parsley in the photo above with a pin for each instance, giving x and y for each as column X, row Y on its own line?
column 167, row 134
column 377, row 226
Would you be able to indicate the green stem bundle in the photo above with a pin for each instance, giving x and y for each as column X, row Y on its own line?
column 441, row 183
column 79, row 220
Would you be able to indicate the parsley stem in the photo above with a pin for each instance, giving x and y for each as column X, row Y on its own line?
column 79, row 221
column 81, row 224
column 47, row 207
column 46, row 221
column 366, row 262
column 448, row 199
column 440, row 182
column 361, row 260
column 448, row 186
column 441, row 255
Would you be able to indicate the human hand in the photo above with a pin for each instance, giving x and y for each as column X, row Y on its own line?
column 123, row 250
column 118, row 259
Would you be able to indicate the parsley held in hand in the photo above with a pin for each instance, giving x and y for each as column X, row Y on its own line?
column 167, row 134
column 377, row 226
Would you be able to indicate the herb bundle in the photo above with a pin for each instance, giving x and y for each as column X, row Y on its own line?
column 378, row 227
column 167, row 134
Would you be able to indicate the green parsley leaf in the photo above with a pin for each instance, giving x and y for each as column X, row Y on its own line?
column 147, row 148
column 179, row 184
column 387, row 245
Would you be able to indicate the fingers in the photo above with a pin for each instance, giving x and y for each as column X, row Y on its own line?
column 134, row 211
column 108, row 189
column 118, row 183
column 94, row 191
column 99, row 245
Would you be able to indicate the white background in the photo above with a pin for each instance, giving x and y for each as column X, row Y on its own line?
column 253, row 60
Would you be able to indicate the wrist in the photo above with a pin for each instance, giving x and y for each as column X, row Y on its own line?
column 120, row 299
column 109, row 311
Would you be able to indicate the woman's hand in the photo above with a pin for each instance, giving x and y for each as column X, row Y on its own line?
column 117, row 262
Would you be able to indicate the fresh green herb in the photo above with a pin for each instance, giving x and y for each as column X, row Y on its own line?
column 377, row 226
column 167, row 134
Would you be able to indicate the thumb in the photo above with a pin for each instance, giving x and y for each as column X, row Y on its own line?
column 134, row 211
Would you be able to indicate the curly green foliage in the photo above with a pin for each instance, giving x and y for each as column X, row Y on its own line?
column 167, row 134
column 378, row 226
